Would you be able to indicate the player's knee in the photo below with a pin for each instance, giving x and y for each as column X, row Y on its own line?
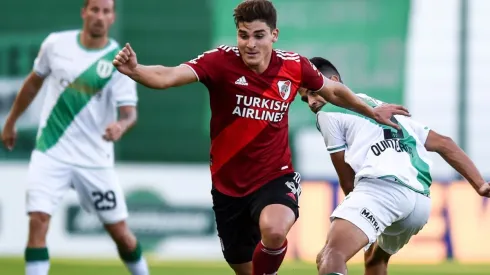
column 273, row 236
column 319, row 257
column 38, row 221
column 330, row 253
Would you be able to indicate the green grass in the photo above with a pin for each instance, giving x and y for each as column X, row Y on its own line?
column 9, row 266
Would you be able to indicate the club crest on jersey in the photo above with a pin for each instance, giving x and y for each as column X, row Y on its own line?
column 104, row 68
column 284, row 88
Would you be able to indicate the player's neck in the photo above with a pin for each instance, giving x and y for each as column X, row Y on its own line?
column 90, row 42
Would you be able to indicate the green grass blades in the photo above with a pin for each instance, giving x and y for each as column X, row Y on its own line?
column 13, row 266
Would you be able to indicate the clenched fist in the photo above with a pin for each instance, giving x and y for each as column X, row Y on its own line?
column 9, row 135
column 125, row 61
column 114, row 132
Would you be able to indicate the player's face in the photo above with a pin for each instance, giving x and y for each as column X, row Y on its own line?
column 255, row 41
column 314, row 100
column 98, row 16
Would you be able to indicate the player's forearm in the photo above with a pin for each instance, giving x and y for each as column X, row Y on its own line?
column 24, row 98
column 458, row 159
column 127, row 117
column 155, row 77
column 340, row 95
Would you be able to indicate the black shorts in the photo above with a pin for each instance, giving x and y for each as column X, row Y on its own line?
column 237, row 218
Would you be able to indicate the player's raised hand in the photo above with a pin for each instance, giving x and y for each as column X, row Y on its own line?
column 484, row 190
column 9, row 135
column 113, row 132
column 384, row 113
column 125, row 61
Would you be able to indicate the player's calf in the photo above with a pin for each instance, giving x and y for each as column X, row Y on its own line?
column 128, row 247
column 344, row 241
column 36, row 253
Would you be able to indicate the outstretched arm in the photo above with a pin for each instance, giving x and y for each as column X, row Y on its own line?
column 155, row 77
column 340, row 95
column 161, row 77
column 458, row 159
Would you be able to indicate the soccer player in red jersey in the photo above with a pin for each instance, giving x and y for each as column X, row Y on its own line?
column 255, row 189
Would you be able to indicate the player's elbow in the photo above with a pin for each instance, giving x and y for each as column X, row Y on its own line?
column 439, row 143
column 446, row 145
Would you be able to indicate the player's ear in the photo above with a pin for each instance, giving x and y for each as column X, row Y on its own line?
column 335, row 78
column 113, row 18
column 275, row 35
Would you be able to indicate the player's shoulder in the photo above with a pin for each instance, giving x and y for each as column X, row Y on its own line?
column 322, row 119
column 61, row 35
column 225, row 51
column 228, row 49
column 54, row 37
column 287, row 56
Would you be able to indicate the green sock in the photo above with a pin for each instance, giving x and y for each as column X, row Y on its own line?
column 36, row 254
column 131, row 257
column 36, row 261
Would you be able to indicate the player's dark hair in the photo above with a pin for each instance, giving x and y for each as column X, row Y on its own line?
column 251, row 10
column 86, row 2
column 325, row 67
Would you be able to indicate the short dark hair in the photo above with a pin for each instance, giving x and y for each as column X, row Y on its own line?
column 325, row 67
column 251, row 10
column 86, row 2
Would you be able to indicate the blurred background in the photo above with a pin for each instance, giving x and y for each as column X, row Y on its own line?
column 430, row 55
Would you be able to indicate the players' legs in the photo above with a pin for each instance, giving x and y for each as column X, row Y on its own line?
column 275, row 206
column 344, row 240
column 237, row 232
column 364, row 214
column 47, row 182
column 395, row 236
column 99, row 191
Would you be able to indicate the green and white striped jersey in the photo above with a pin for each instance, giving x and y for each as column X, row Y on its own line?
column 82, row 93
column 378, row 151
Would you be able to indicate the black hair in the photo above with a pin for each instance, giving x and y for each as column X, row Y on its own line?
column 251, row 10
column 325, row 67
column 86, row 2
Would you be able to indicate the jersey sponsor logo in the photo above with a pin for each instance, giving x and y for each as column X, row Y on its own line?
column 104, row 68
column 365, row 213
column 260, row 108
column 284, row 88
column 394, row 144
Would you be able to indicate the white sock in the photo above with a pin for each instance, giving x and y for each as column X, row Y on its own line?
column 139, row 267
column 37, row 268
